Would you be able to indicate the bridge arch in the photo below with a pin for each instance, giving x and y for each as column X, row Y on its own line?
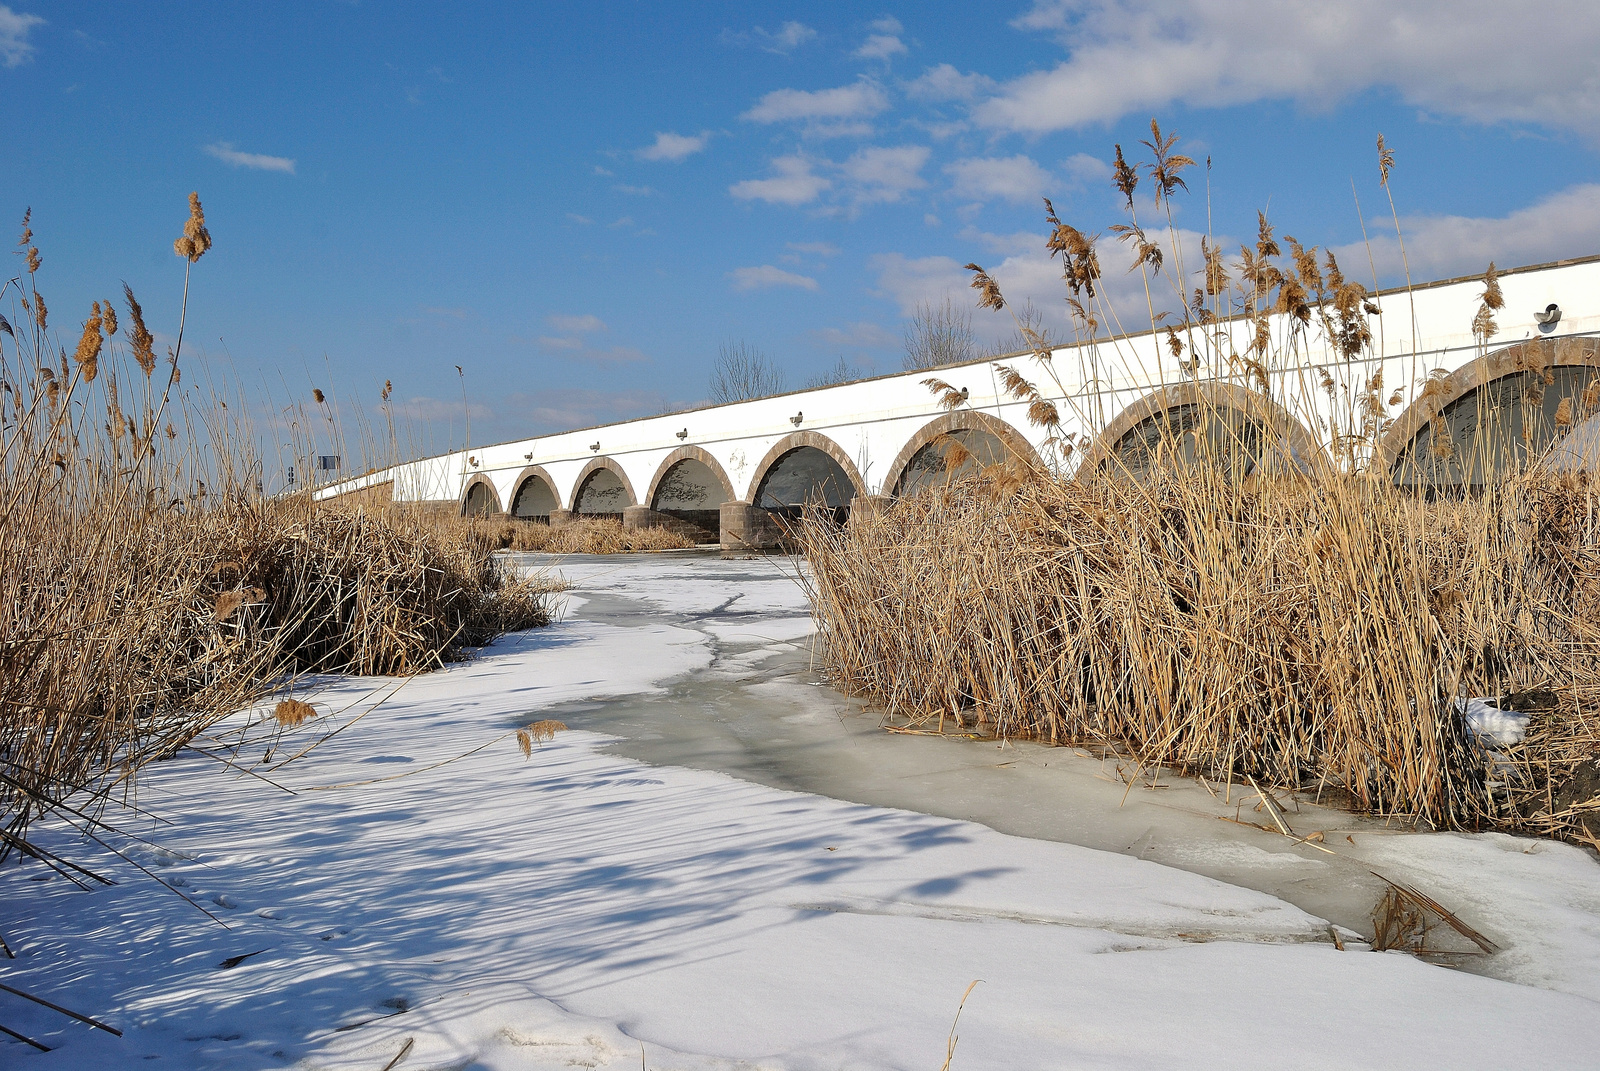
column 533, row 495
column 1497, row 413
column 967, row 426
column 793, row 470
column 479, row 498
column 602, row 489
column 1255, row 433
column 691, row 485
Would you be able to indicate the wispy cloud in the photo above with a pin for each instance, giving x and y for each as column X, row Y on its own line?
column 816, row 249
column 581, row 220
column 1481, row 60
column 861, row 100
column 944, row 82
column 674, row 147
column 551, row 342
column 633, row 191
column 1012, row 178
column 766, row 275
column 859, row 336
column 430, row 409
column 788, row 37
column 880, row 46
column 586, row 322
column 15, row 26
column 793, row 183
column 886, row 173
column 254, row 161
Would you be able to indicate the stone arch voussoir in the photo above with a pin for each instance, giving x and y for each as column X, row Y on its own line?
column 494, row 494
column 1252, row 403
column 688, row 453
column 595, row 465
column 796, row 440
column 962, row 420
column 1480, row 372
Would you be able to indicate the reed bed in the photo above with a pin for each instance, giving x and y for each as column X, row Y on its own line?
column 1314, row 634
column 147, row 589
column 1212, row 603
column 579, row 536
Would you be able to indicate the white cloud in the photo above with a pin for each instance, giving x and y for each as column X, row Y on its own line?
column 550, row 342
column 598, row 170
column 557, row 409
column 794, row 183
column 1086, row 168
column 816, row 249
column 788, row 37
column 859, row 336
column 766, row 275
column 673, row 147
column 224, row 151
column 1013, row 178
column 944, row 82
column 1480, row 60
column 910, row 281
column 880, row 46
column 581, row 220
column 861, row 100
column 583, row 323
column 15, row 48
column 884, row 174
column 1564, row 224
column 887, row 24
column 1017, row 242
column 621, row 221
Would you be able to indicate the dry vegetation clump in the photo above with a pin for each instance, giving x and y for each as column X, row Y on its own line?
column 1311, row 634
column 1234, row 601
column 148, row 590
column 601, row 536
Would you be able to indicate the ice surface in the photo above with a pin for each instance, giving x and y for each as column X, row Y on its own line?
column 1488, row 722
column 579, row 906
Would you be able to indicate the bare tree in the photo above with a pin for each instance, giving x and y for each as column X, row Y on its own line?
column 839, row 373
column 938, row 334
column 743, row 372
column 1031, row 318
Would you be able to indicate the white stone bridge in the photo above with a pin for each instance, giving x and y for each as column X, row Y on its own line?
column 726, row 472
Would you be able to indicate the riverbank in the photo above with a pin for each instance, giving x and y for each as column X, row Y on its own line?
column 579, row 906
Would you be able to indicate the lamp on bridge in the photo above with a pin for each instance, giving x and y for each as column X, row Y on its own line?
column 684, row 434
column 528, row 456
column 595, row 447
column 797, row 418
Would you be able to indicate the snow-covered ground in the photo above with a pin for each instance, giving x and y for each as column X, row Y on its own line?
column 404, row 888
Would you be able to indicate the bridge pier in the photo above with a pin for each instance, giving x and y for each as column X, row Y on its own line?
column 645, row 517
column 748, row 529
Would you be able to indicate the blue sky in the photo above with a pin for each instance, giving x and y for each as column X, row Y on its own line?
column 578, row 203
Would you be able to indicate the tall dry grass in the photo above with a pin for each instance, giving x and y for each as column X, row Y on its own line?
column 147, row 589
column 1211, row 604
column 578, row 536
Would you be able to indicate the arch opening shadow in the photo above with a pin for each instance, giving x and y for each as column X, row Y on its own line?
column 1504, row 426
column 948, row 457
column 805, row 478
column 602, row 496
column 480, row 499
column 534, row 500
column 691, row 492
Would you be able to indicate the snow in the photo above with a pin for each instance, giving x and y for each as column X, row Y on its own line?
column 583, row 908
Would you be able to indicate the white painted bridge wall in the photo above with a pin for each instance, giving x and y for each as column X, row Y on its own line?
column 872, row 420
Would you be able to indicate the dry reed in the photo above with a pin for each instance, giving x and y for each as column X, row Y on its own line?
column 147, row 589
column 1310, row 626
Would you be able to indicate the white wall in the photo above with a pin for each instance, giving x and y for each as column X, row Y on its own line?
column 872, row 420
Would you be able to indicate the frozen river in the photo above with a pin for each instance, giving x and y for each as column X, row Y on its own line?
column 725, row 864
